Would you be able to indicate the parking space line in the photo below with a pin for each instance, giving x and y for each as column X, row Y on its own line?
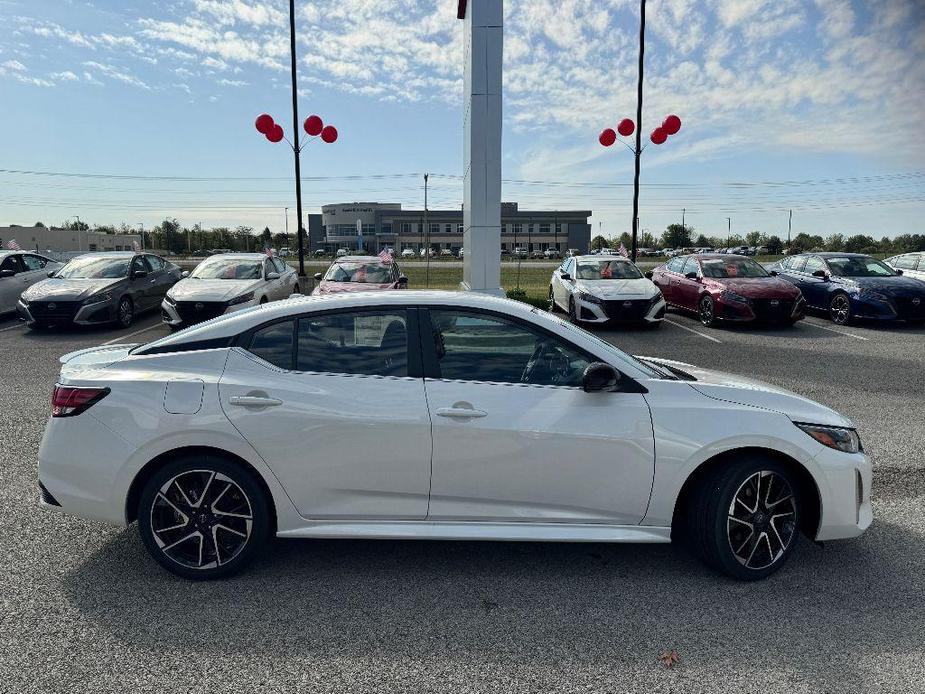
column 834, row 330
column 137, row 332
column 696, row 332
column 12, row 327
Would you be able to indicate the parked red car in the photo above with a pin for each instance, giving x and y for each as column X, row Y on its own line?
column 360, row 273
column 728, row 288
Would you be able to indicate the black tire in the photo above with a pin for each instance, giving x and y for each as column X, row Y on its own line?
column 163, row 502
column 296, row 289
column 706, row 311
column 840, row 309
column 553, row 308
column 263, row 300
column 174, row 328
column 125, row 312
column 724, row 544
column 572, row 311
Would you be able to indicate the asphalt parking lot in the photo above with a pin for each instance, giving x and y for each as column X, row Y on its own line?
column 83, row 608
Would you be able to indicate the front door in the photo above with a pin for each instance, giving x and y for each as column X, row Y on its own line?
column 332, row 404
column 687, row 290
column 14, row 285
column 515, row 436
column 815, row 289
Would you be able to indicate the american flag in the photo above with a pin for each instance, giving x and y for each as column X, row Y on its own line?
column 268, row 251
column 12, row 245
column 622, row 251
column 135, row 246
column 385, row 256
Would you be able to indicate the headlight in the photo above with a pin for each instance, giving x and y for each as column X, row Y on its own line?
column 845, row 440
column 170, row 300
column 243, row 299
column 97, row 298
column 730, row 295
column 588, row 298
column 655, row 299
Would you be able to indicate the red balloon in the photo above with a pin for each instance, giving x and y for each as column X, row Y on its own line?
column 671, row 125
column 658, row 136
column 263, row 123
column 313, row 125
column 608, row 137
column 329, row 134
column 275, row 134
column 626, row 127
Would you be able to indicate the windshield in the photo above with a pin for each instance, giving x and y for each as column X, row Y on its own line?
column 720, row 268
column 858, row 266
column 94, row 268
column 372, row 273
column 607, row 270
column 228, row 269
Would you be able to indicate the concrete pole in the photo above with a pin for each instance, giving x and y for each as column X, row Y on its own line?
column 483, row 39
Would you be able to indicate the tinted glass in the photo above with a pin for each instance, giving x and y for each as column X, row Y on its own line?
column 478, row 347
column 371, row 343
column 228, row 269
column 34, row 262
column 859, row 266
column 140, row 264
column 95, row 268
column 732, row 267
column 607, row 270
column 690, row 265
column 280, row 265
column 11, row 262
column 274, row 344
column 155, row 262
column 359, row 271
column 813, row 264
column 797, row 264
column 675, row 264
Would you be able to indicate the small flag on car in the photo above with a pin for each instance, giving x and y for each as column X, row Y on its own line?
column 385, row 256
column 622, row 250
column 268, row 251
column 135, row 246
column 12, row 245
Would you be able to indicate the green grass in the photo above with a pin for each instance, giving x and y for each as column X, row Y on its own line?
column 533, row 280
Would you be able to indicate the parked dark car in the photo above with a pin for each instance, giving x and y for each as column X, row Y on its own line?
column 850, row 286
column 99, row 288
column 722, row 287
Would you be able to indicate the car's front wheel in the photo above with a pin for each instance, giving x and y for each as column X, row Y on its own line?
column 743, row 519
column 840, row 309
column 572, row 311
column 203, row 517
column 125, row 312
column 707, row 311
column 553, row 308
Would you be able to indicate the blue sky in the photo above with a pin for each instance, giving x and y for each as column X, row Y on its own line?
column 811, row 105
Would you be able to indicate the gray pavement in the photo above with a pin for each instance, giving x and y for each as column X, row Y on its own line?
column 82, row 608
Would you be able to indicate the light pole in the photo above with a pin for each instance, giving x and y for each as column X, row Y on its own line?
column 728, row 229
column 789, row 227
column 427, row 236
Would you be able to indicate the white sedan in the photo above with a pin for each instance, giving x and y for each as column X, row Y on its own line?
column 440, row 416
column 911, row 264
column 19, row 270
column 226, row 283
column 602, row 289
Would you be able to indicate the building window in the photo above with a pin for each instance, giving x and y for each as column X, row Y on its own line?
column 448, row 229
column 406, row 227
column 518, row 228
column 544, row 228
column 434, row 229
column 387, row 227
column 459, row 228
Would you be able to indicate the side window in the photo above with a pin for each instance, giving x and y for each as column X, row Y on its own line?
column 922, row 262
column 268, row 267
column 274, row 344
column 34, row 262
column 904, row 262
column 140, row 264
column 472, row 346
column 11, row 262
column 155, row 262
column 812, row 264
column 280, row 265
column 675, row 264
column 797, row 264
column 690, row 265
column 368, row 343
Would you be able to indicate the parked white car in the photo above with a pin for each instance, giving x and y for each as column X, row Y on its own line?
column 19, row 270
column 437, row 415
column 601, row 289
column 408, row 253
column 911, row 264
column 223, row 284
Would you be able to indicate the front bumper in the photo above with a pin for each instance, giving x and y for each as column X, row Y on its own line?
column 66, row 312
column 890, row 308
column 844, row 486
column 192, row 312
column 761, row 310
column 645, row 311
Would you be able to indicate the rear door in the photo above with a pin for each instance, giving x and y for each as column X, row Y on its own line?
column 163, row 279
column 142, row 288
column 516, row 438
column 815, row 289
column 334, row 403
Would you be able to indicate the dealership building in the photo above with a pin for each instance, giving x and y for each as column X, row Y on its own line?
column 65, row 240
column 387, row 225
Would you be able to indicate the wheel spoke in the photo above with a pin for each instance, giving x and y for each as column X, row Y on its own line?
column 779, row 501
column 761, row 504
column 183, row 539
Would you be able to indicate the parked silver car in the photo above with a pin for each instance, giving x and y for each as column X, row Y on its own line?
column 19, row 270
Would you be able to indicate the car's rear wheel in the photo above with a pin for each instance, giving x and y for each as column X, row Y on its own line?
column 125, row 312
column 707, row 311
column 203, row 517
column 743, row 518
column 840, row 309
column 552, row 302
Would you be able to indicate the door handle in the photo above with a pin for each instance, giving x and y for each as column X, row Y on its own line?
column 153, row 281
column 254, row 401
column 460, row 412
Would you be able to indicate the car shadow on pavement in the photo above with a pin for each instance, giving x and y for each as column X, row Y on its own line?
column 824, row 614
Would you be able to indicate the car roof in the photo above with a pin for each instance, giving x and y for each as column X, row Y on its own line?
column 719, row 256
column 597, row 256
column 359, row 258
column 835, row 254
column 238, row 256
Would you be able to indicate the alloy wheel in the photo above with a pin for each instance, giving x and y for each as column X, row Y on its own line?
column 126, row 313
column 840, row 309
column 552, row 302
column 706, row 311
column 762, row 520
column 201, row 519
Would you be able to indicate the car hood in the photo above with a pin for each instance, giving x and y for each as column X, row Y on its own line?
column 900, row 285
column 618, row 289
column 751, row 392
column 68, row 289
column 340, row 287
column 758, row 287
column 191, row 289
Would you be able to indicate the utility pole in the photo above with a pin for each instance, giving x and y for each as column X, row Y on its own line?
column 555, row 230
column 296, row 149
column 683, row 214
column 638, row 152
column 142, row 226
column 789, row 228
column 287, row 224
column 427, row 231
column 728, row 229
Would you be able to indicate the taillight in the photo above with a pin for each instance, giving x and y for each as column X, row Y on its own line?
column 69, row 402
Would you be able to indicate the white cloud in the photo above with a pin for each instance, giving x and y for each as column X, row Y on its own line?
column 14, row 65
column 116, row 74
column 66, row 76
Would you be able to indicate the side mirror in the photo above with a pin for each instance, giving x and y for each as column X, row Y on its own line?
column 402, row 282
column 139, row 274
column 820, row 274
column 600, row 378
column 649, row 274
column 690, row 275
column 773, row 273
column 565, row 277
column 184, row 274
column 272, row 276
column 10, row 273
column 51, row 273
column 898, row 271
column 318, row 276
